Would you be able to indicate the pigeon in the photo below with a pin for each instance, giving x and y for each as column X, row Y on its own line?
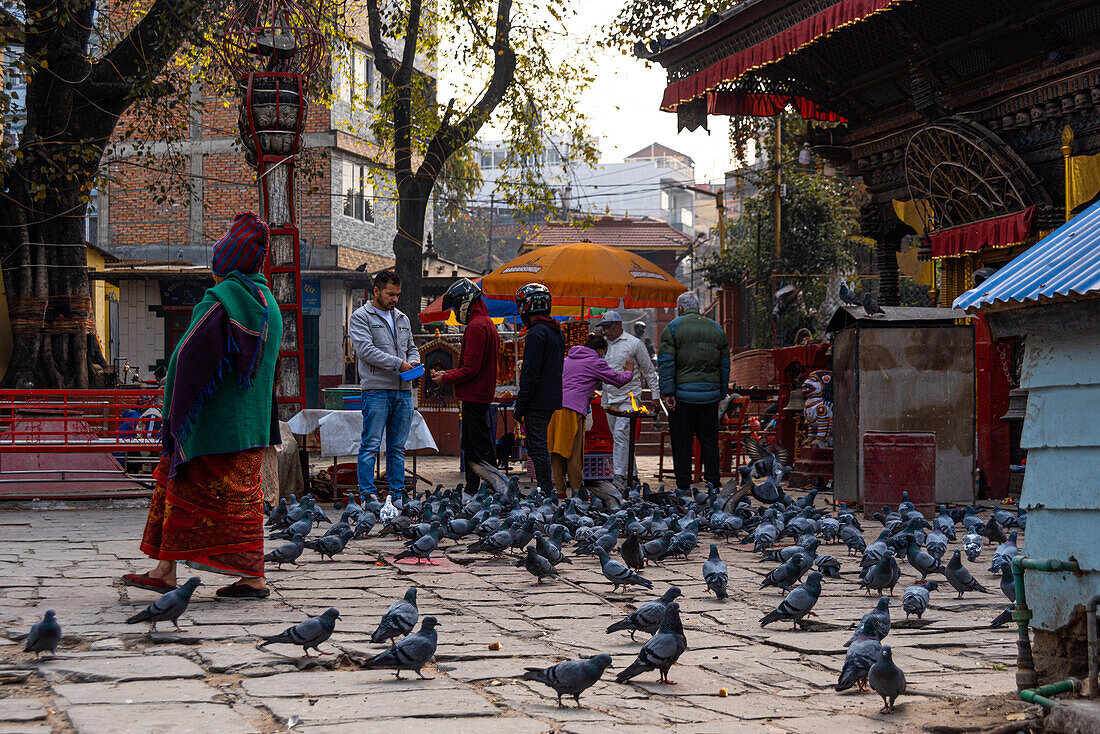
column 618, row 574
column 883, row 575
column 169, row 606
column 916, row 598
column 875, row 623
column 1006, row 551
column 861, row 655
column 936, row 545
column 388, row 511
column 328, row 545
column 715, row 574
column 411, row 653
column 828, row 565
column 631, row 551
column 972, row 545
column 785, row 575
column 1008, row 583
column 887, row 680
column 870, row 307
column 44, row 635
column 1004, row 617
column 421, row 548
column 661, row 651
column 960, row 578
column 798, row 603
column 277, row 514
column 549, row 550
column 921, row 561
column 301, row 527
column 287, row 552
column 847, row 295
column 399, row 619
column 308, row 634
column 538, row 566
column 648, row 617
column 570, row 678
column 496, row 543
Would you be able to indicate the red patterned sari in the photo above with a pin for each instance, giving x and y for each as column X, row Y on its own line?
column 210, row 514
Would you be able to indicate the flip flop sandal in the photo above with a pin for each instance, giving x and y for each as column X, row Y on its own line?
column 146, row 582
column 241, row 591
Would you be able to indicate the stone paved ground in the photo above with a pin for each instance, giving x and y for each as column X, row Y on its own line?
column 112, row 677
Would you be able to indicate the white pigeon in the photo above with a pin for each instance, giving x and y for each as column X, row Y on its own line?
column 388, row 511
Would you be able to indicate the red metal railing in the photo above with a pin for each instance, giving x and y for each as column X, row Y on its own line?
column 80, row 420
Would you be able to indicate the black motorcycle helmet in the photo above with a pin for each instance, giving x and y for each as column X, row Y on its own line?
column 460, row 298
column 531, row 300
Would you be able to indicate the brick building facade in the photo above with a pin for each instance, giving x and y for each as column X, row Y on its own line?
column 346, row 212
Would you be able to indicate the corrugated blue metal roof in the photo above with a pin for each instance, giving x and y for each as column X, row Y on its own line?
column 1065, row 262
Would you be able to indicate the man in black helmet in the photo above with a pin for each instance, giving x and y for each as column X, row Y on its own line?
column 540, row 377
column 475, row 381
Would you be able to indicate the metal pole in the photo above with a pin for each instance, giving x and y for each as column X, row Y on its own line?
column 489, row 246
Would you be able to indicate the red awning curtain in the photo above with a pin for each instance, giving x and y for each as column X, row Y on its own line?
column 1011, row 229
column 770, row 50
column 765, row 105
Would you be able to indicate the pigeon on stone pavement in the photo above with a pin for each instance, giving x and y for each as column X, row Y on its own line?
column 549, row 551
column 538, row 566
column 879, row 619
column 399, row 619
column 1008, row 583
column 661, row 651
column 288, row 552
column 308, row 634
column 916, row 598
column 715, row 573
column 329, row 545
column 411, row 653
column 883, row 575
column 861, row 655
column 169, row 606
column 785, row 575
column 886, row 679
column 972, row 545
column 618, row 574
column 1006, row 551
column 1004, row 617
column 921, row 561
column 301, row 527
column 798, row 603
column 571, row 678
column 631, row 551
column 960, row 578
column 44, row 636
column 421, row 549
column 648, row 617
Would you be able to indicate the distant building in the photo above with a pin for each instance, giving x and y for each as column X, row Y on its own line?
column 646, row 184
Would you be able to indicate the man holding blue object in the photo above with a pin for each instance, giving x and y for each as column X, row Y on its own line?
column 383, row 341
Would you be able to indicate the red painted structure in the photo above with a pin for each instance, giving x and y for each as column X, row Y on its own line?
column 897, row 462
column 993, row 381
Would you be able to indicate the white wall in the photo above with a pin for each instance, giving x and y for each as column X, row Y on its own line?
column 333, row 326
column 140, row 331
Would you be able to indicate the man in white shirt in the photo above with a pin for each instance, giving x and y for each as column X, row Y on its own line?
column 621, row 349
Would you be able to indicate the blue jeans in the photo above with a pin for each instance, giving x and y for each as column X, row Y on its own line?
column 390, row 410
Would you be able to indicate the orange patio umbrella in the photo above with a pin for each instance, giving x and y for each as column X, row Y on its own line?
column 586, row 274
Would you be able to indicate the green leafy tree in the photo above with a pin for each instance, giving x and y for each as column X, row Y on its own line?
column 819, row 236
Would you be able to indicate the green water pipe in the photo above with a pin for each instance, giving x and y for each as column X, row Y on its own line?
column 1026, row 678
column 1040, row 695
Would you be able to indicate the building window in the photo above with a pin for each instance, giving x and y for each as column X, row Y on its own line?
column 91, row 219
column 358, row 192
column 355, row 77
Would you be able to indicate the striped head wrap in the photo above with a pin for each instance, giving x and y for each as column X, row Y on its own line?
column 243, row 247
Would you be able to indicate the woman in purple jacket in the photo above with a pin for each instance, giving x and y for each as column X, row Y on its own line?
column 583, row 372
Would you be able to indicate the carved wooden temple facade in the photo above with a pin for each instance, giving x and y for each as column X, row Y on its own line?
column 951, row 113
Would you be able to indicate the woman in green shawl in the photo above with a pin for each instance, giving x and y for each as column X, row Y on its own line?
column 207, row 509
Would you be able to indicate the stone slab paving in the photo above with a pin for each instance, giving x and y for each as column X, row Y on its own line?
column 112, row 677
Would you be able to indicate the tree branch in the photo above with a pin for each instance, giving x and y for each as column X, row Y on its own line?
column 450, row 138
column 412, row 33
column 142, row 55
column 383, row 60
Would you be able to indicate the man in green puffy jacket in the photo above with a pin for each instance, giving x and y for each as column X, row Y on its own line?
column 693, row 364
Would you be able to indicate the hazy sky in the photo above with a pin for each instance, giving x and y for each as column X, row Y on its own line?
column 622, row 104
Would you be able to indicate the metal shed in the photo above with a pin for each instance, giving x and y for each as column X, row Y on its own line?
column 908, row 371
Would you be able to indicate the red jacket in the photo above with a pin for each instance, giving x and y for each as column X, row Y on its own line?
column 475, row 378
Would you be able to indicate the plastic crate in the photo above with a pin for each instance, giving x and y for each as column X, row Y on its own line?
column 353, row 402
column 596, row 466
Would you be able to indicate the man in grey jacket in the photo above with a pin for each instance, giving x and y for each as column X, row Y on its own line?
column 383, row 340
